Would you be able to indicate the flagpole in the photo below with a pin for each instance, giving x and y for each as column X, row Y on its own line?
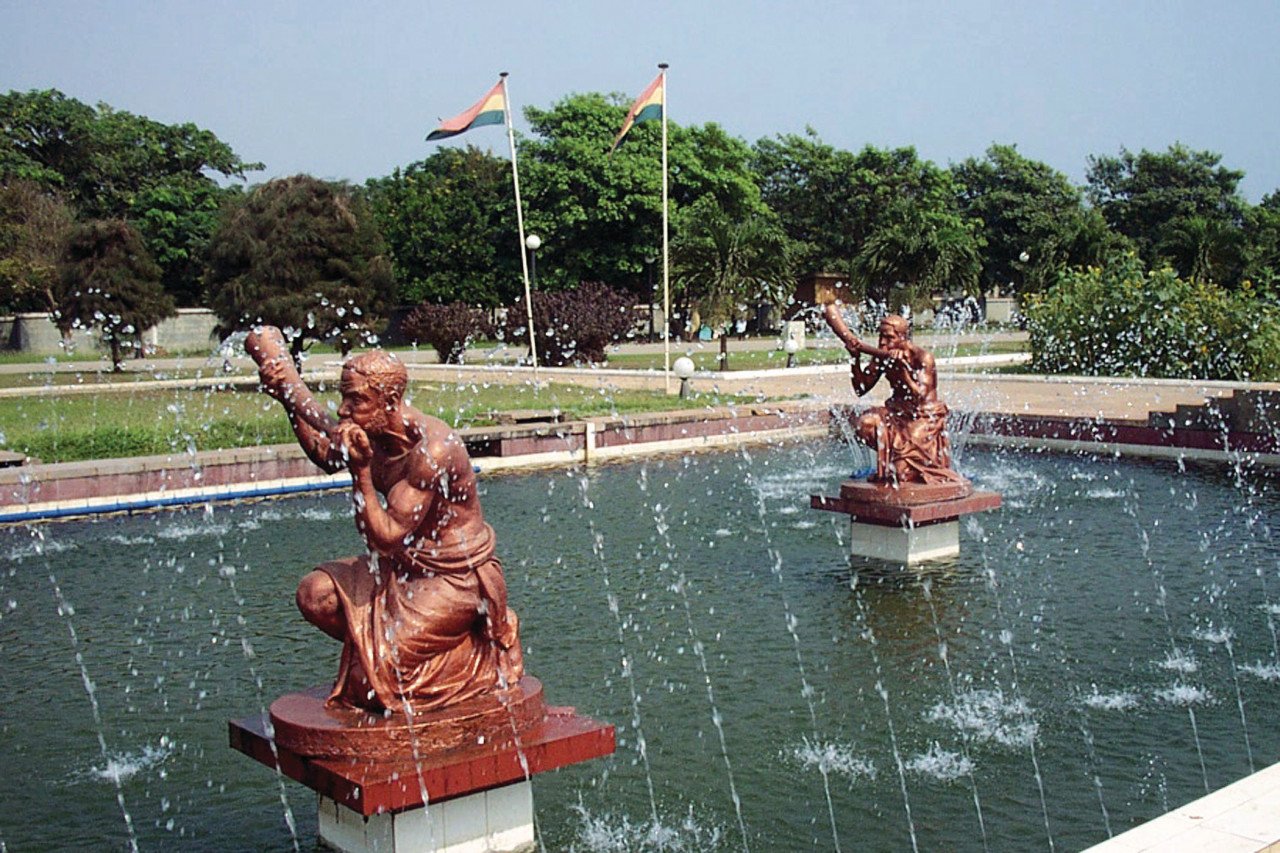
column 666, row 253
column 524, row 259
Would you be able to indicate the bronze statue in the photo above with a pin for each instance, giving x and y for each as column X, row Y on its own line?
column 423, row 618
column 909, row 432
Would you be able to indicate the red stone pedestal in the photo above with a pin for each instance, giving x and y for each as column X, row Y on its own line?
column 561, row 738
column 305, row 724
column 414, row 798
column 909, row 523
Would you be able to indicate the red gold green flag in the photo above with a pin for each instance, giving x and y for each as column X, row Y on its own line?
column 648, row 106
column 491, row 109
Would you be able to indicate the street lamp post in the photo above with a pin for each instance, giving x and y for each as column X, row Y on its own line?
column 649, row 260
column 532, row 242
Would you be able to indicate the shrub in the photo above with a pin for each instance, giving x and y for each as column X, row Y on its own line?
column 305, row 255
column 109, row 282
column 573, row 326
column 448, row 328
column 1122, row 320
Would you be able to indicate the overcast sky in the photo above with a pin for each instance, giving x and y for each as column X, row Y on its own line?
column 349, row 90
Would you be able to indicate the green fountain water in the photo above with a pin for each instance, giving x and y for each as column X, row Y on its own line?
column 1104, row 649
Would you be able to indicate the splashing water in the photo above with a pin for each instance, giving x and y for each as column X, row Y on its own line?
column 940, row 764
column 123, row 766
column 1179, row 661
column 1264, row 671
column 987, row 716
column 1122, row 700
column 832, row 758
column 1184, row 695
column 611, row 833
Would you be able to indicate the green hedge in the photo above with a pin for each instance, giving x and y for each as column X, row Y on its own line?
column 1123, row 320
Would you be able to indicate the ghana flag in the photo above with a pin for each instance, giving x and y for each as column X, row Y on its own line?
column 648, row 106
column 491, row 109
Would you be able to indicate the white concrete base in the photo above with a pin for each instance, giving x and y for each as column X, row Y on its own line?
column 906, row 545
column 495, row 821
column 1243, row 817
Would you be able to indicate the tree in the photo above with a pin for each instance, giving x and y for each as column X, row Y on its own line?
column 110, row 283
column 883, row 216
column 305, row 255
column 176, row 219
column 811, row 186
column 113, row 164
column 1261, row 250
column 34, row 224
column 917, row 250
column 722, row 262
column 573, row 326
column 1203, row 249
column 450, row 226
column 447, row 328
column 1149, row 195
column 597, row 215
column 1033, row 219
column 601, row 214
column 1123, row 320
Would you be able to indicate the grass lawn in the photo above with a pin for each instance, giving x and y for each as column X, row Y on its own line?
column 89, row 376
column 102, row 426
column 709, row 359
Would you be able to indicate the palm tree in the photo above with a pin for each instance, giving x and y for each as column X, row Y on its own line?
column 1203, row 249
column 920, row 252
column 721, row 262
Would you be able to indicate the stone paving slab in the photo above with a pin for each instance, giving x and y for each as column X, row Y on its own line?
column 1244, row 816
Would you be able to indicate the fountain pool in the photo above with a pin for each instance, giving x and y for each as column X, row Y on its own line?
column 1105, row 648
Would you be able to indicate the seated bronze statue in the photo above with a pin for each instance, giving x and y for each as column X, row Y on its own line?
column 909, row 432
column 423, row 618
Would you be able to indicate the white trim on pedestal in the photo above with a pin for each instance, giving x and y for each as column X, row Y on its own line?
column 499, row 820
column 905, row 545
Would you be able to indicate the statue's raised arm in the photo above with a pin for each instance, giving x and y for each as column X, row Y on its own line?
column 312, row 424
column 855, row 346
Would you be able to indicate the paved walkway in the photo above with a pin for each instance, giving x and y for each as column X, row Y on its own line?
column 962, row 384
column 1243, row 817
column 486, row 355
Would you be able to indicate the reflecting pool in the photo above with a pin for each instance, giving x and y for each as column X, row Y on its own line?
column 1104, row 648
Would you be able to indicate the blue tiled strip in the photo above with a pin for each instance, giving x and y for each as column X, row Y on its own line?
column 70, row 509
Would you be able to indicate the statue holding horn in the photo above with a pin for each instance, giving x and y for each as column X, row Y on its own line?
column 909, row 432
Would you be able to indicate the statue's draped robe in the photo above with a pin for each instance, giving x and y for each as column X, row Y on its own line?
column 431, row 629
column 912, row 444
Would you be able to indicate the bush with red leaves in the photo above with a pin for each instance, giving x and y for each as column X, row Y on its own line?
column 574, row 326
column 447, row 328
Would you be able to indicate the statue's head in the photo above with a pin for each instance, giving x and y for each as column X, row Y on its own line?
column 895, row 331
column 373, row 386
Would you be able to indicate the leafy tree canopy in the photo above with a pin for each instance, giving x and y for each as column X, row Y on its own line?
column 110, row 283
column 1261, row 252
column 1149, row 195
column 601, row 214
column 450, row 226
column 1033, row 219
column 884, row 216
column 723, row 262
column 305, row 255
column 113, row 164
column 34, row 225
